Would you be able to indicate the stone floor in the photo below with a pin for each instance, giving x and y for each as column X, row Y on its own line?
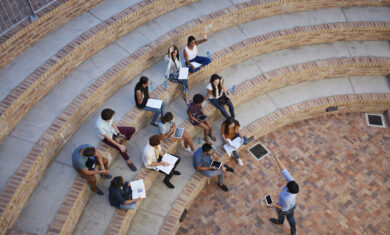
column 340, row 164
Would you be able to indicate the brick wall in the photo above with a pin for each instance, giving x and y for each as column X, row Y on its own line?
column 21, row 99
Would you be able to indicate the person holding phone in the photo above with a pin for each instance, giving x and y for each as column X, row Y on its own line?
column 287, row 199
column 191, row 54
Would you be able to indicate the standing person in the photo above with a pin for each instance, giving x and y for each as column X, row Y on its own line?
column 230, row 129
column 195, row 112
column 84, row 159
column 191, row 53
column 167, row 130
column 203, row 157
column 217, row 95
column 120, row 194
column 111, row 134
column 173, row 69
column 142, row 94
column 287, row 199
column 152, row 156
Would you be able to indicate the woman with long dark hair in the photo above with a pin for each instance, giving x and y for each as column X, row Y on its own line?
column 230, row 129
column 218, row 96
column 191, row 54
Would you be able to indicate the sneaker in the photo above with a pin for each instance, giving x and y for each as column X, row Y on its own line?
column 168, row 184
column 223, row 187
column 188, row 149
column 107, row 176
column 228, row 168
column 240, row 163
column 132, row 166
column 176, row 173
column 154, row 124
column 275, row 221
column 250, row 139
column 100, row 192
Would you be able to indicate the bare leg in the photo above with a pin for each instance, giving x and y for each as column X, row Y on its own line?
column 210, row 128
column 188, row 140
column 205, row 131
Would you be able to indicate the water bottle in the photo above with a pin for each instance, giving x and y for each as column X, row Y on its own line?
column 151, row 87
column 208, row 54
column 199, row 140
column 165, row 85
column 234, row 88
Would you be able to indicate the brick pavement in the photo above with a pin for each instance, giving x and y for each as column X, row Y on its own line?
column 341, row 167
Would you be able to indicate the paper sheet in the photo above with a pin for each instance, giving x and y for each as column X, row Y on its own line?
column 232, row 145
column 171, row 160
column 138, row 189
column 154, row 103
column 195, row 64
column 183, row 73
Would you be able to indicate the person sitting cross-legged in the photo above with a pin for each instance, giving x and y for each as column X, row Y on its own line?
column 203, row 157
column 152, row 156
column 111, row 134
column 84, row 159
column 190, row 53
column 120, row 194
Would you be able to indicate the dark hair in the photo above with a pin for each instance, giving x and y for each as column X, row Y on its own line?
column 190, row 39
column 293, row 187
column 177, row 55
column 167, row 117
column 198, row 98
column 90, row 151
column 117, row 182
column 206, row 147
column 107, row 114
column 154, row 140
column 229, row 121
column 212, row 79
column 142, row 80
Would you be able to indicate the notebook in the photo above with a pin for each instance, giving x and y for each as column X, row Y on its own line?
column 154, row 103
column 183, row 73
column 171, row 160
column 195, row 64
column 138, row 189
column 232, row 145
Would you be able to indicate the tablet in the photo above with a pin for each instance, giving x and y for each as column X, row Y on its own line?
column 216, row 164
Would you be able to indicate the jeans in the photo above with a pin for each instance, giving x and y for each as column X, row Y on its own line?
column 198, row 59
column 290, row 218
column 218, row 172
column 222, row 109
column 235, row 152
column 130, row 206
column 174, row 77
column 128, row 132
column 157, row 112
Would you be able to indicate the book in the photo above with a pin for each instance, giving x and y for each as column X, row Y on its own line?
column 178, row 132
column 171, row 160
column 183, row 73
column 195, row 64
column 154, row 103
column 138, row 189
column 216, row 164
column 232, row 145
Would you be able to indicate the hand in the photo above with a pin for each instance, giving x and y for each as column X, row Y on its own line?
column 193, row 68
column 121, row 135
column 104, row 172
column 164, row 163
column 213, row 168
column 242, row 140
column 122, row 148
column 170, row 50
column 205, row 36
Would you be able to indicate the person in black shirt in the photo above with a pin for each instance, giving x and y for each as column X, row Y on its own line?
column 120, row 194
column 142, row 94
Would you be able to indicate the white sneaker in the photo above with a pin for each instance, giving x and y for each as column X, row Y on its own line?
column 240, row 162
column 188, row 149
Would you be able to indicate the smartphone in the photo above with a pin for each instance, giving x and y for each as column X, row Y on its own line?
column 268, row 199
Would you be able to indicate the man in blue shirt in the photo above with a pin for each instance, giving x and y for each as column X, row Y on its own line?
column 287, row 199
column 202, row 162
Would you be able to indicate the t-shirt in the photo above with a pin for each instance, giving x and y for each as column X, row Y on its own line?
column 200, row 159
column 78, row 161
column 149, row 155
column 105, row 127
column 195, row 110
column 117, row 196
column 145, row 91
column 165, row 128
column 210, row 88
column 232, row 131
column 287, row 200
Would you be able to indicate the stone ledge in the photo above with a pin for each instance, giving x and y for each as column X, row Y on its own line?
column 269, row 123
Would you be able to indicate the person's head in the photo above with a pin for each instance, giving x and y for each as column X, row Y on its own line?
column 207, row 149
column 230, row 122
column 107, row 114
column 117, row 182
column 292, row 187
column 215, row 82
column 198, row 99
column 191, row 41
column 167, row 117
column 155, row 140
column 143, row 82
column 90, row 151
column 174, row 53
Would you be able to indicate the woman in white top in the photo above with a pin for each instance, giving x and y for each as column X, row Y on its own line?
column 173, row 69
column 218, row 96
column 191, row 54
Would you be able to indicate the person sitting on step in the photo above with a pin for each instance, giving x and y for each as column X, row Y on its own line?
column 199, row 118
column 230, row 129
column 142, row 94
column 168, row 128
column 191, row 54
column 152, row 156
column 203, row 158
column 218, row 96
column 84, row 160
column 111, row 134
column 173, row 70
column 120, row 194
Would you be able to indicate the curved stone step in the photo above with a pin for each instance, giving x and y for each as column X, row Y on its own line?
column 254, row 46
